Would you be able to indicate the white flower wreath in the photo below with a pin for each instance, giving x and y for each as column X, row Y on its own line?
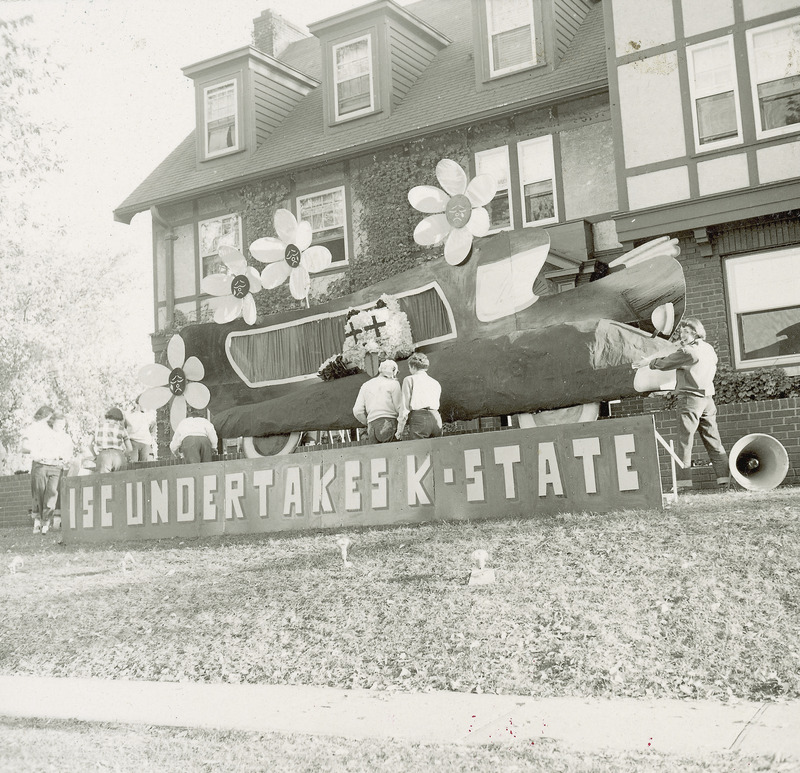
column 383, row 330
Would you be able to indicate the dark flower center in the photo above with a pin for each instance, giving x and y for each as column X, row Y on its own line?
column 240, row 286
column 292, row 255
column 458, row 211
column 177, row 381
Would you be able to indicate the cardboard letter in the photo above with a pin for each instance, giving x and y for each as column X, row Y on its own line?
column 548, row 470
column 586, row 448
column 628, row 479
column 508, row 456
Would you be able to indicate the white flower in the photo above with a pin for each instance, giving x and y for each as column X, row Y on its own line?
column 458, row 211
column 290, row 255
column 238, row 286
column 179, row 382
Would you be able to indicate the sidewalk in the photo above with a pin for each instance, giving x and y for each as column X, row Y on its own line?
column 670, row 726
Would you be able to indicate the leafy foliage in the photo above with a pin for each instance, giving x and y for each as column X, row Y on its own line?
column 734, row 386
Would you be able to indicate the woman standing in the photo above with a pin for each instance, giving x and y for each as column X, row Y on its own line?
column 37, row 440
column 63, row 451
column 111, row 442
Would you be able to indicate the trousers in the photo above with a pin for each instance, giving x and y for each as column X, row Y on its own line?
column 44, row 487
column 110, row 460
column 699, row 414
column 196, row 449
column 381, row 430
column 424, row 423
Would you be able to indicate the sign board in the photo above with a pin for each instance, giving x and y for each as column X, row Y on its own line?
column 595, row 466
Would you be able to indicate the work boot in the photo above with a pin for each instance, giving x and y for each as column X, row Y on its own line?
column 37, row 526
column 45, row 527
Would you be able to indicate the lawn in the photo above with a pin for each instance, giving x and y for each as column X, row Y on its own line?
column 75, row 747
column 699, row 601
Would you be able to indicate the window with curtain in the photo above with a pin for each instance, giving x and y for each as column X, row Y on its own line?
column 326, row 213
column 537, row 179
column 714, row 94
column 764, row 304
column 774, row 53
column 220, row 118
column 512, row 38
column 495, row 163
column 352, row 77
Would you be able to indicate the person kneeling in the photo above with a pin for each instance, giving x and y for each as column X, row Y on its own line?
column 195, row 438
column 379, row 403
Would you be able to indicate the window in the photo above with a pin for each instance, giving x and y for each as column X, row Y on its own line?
column 326, row 213
column 213, row 233
column 221, row 131
column 352, row 78
column 511, row 33
column 764, row 301
column 495, row 163
column 715, row 97
column 537, row 179
column 774, row 52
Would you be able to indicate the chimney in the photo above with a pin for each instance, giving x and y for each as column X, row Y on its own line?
column 272, row 34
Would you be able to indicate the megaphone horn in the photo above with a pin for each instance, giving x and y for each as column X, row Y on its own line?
column 758, row 462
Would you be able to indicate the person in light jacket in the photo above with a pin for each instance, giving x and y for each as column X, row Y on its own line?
column 379, row 403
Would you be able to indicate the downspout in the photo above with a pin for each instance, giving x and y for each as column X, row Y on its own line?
column 170, row 239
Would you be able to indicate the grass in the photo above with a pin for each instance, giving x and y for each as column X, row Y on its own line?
column 699, row 601
column 74, row 747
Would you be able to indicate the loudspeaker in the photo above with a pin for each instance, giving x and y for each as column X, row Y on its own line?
column 758, row 462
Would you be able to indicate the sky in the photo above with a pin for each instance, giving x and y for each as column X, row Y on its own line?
column 122, row 103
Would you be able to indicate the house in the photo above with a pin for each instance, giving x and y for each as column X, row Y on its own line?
column 706, row 122
column 517, row 88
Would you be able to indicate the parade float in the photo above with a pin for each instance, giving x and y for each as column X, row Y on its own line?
column 496, row 347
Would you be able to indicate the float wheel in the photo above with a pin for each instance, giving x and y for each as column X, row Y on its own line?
column 271, row 445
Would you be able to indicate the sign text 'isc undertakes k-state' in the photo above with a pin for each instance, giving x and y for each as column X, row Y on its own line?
column 597, row 466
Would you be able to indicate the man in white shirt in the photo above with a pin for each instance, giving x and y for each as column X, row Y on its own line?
column 141, row 425
column 421, row 397
column 195, row 439
column 379, row 403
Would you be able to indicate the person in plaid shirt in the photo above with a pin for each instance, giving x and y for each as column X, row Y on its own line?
column 111, row 442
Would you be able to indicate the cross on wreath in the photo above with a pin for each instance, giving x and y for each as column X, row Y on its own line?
column 354, row 331
column 374, row 326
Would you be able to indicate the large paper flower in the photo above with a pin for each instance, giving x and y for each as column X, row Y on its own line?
column 459, row 211
column 179, row 382
column 290, row 255
column 238, row 286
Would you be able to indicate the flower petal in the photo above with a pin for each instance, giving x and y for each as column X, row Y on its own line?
column 286, row 226
column 232, row 258
column 457, row 246
column 427, row 198
column 154, row 375
column 176, row 352
column 216, row 284
column 479, row 222
column 316, row 258
column 431, row 230
column 177, row 411
column 154, row 398
column 299, row 282
column 451, row 176
column 303, row 236
column 249, row 314
column 481, row 189
column 197, row 395
column 275, row 274
column 254, row 278
column 268, row 250
column 228, row 310
column 193, row 369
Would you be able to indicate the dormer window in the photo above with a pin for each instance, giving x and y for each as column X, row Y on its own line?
column 221, row 120
column 353, row 78
column 511, row 30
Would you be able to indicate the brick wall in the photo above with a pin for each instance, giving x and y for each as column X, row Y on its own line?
column 779, row 418
column 15, row 499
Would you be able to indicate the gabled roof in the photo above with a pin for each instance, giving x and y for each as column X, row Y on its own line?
column 445, row 95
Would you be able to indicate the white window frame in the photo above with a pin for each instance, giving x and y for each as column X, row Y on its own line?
column 336, row 82
column 546, row 141
column 204, row 253
column 754, row 82
column 781, row 297
column 483, row 153
column 695, row 94
column 222, row 151
column 315, row 194
column 493, row 73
